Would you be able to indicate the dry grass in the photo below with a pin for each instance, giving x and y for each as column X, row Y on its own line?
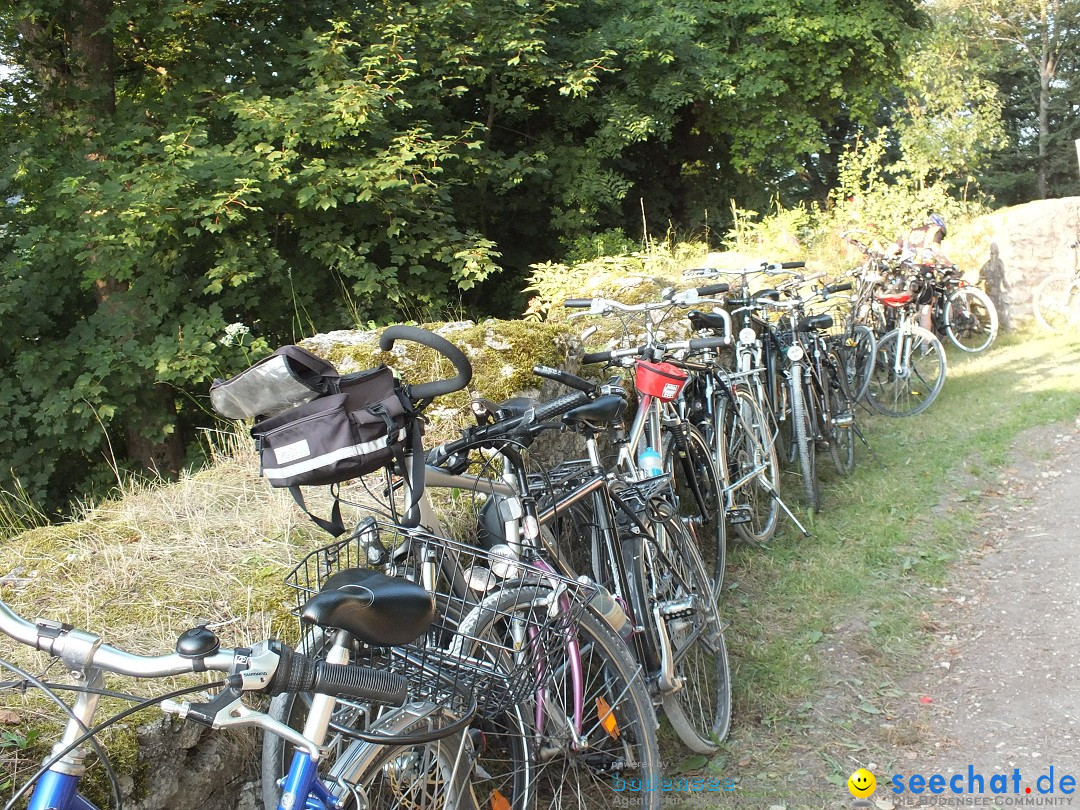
column 141, row 568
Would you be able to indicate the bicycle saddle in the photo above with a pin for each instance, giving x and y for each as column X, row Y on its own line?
column 602, row 410
column 770, row 294
column 706, row 320
column 812, row 322
column 371, row 606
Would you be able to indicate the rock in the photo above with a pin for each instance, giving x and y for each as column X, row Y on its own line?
column 1016, row 248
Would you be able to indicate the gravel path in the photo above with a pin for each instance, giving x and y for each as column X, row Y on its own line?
column 1005, row 684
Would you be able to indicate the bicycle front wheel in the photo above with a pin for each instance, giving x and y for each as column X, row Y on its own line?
column 1056, row 302
column 747, row 459
column 971, row 319
column 617, row 737
column 909, row 372
column 803, row 440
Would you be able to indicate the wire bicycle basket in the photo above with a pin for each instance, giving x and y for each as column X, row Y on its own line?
column 485, row 651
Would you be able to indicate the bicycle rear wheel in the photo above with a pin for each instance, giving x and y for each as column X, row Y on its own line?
column 971, row 319
column 431, row 774
column 683, row 604
column 1056, row 302
column 699, row 495
column 857, row 359
column 909, row 372
column 841, row 415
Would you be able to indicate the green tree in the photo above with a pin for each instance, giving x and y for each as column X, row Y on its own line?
column 1037, row 42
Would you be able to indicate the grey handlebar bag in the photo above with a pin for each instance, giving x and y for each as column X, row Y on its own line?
column 291, row 376
column 319, row 428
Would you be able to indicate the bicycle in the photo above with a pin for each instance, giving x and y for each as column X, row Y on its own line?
column 392, row 611
column 640, row 551
column 543, row 745
column 909, row 365
column 1056, row 299
column 821, row 403
column 662, row 423
column 963, row 313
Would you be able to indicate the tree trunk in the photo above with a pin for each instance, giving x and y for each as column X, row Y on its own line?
column 163, row 457
column 1045, row 75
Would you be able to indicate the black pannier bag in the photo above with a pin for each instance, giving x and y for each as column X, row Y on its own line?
column 358, row 424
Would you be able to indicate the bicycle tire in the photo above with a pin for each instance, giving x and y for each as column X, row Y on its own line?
column 744, row 444
column 1056, row 302
column 841, row 415
column 920, row 380
column 699, row 711
column 777, row 405
column 430, row 775
column 857, row 359
column 364, row 766
column 614, row 688
column 291, row 708
column 699, row 495
column 971, row 319
column 803, row 441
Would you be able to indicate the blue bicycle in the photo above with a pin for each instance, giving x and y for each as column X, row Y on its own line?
column 417, row 752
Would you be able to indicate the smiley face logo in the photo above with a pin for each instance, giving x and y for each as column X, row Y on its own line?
column 861, row 783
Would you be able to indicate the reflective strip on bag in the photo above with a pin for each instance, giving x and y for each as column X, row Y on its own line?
column 331, row 458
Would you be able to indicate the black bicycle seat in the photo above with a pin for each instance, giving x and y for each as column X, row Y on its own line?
column 601, row 411
column 812, row 322
column 372, row 607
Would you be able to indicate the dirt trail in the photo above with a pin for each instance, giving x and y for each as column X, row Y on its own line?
column 1005, row 674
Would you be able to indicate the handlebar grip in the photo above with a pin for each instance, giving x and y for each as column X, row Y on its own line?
column 577, row 303
column 713, row 289
column 843, row 286
column 595, row 357
column 440, row 344
column 608, row 356
column 565, row 377
column 365, row 683
column 791, row 265
column 298, row 673
column 559, row 406
column 709, row 343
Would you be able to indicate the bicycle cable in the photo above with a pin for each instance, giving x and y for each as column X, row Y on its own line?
column 89, row 734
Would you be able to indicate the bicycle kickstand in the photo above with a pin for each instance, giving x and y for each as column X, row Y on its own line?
column 780, row 502
column 869, row 449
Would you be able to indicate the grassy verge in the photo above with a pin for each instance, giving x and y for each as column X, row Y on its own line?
column 824, row 628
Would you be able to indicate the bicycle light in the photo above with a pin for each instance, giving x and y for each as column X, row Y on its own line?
column 747, row 335
column 795, row 353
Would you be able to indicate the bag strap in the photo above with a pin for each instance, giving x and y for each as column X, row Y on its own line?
column 335, row 525
column 414, row 477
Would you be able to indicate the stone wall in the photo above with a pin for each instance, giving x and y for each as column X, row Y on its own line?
column 1015, row 248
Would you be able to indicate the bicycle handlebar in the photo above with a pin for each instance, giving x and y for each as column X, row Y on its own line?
column 695, row 345
column 266, row 667
column 440, row 344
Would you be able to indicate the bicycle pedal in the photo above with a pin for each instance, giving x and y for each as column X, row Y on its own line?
column 844, row 420
column 737, row 515
column 678, row 608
